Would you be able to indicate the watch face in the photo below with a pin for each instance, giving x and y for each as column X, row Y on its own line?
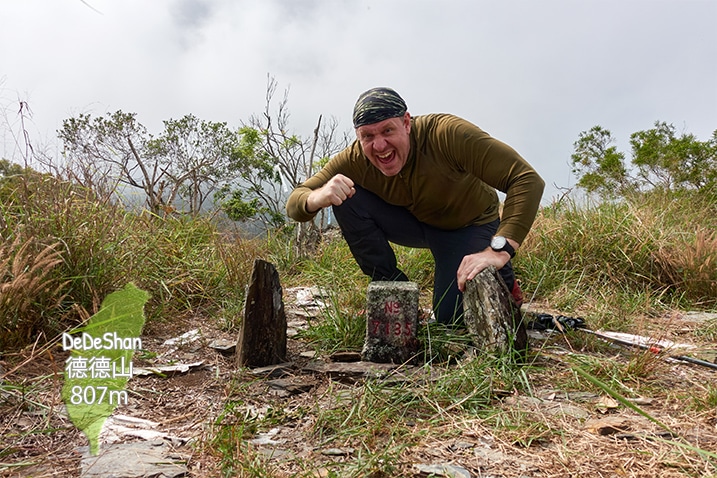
column 498, row 243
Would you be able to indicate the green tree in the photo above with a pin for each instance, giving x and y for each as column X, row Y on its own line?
column 8, row 172
column 197, row 156
column 104, row 152
column 660, row 158
column 272, row 161
column 257, row 192
column 671, row 161
column 599, row 166
column 180, row 169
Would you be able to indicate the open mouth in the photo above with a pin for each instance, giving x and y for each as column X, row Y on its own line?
column 385, row 158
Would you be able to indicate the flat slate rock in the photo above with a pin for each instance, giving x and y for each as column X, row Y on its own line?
column 274, row 371
column 446, row 470
column 291, row 386
column 345, row 357
column 351, row 369
column 224, row 346
column 153, row 459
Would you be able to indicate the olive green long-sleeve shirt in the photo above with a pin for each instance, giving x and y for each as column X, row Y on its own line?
column 449, row 180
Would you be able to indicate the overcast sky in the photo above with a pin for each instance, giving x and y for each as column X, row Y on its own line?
column 532, row 73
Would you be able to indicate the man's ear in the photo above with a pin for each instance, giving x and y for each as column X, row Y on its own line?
column 407, row 121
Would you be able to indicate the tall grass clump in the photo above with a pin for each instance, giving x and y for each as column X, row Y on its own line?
column 29, row 291
column 74, row 249
column 652, row 250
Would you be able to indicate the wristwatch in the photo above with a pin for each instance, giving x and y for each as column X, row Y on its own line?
column 500, row 244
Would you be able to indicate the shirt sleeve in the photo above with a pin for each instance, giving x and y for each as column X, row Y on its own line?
column 501, row 167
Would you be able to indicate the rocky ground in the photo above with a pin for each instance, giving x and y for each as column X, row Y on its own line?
column 166, row 427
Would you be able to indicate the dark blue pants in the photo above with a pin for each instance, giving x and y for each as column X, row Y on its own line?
column 368, row 224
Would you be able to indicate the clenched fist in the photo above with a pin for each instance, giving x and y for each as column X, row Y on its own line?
column 333, row 193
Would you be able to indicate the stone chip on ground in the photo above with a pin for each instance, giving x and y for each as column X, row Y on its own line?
column 144, row 459
column 446, row 470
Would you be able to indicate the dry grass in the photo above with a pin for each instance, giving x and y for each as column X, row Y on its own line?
column 691, row 261
column 29, row 289
column 609, row 260
column 544, row 429
column 624, row 266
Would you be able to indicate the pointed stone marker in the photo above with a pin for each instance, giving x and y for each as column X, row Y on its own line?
column 391, row 322
column 262, row 335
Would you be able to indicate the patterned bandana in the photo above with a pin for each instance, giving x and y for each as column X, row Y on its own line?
column 378, row 104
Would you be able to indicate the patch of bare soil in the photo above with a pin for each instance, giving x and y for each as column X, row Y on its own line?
column 562, row 433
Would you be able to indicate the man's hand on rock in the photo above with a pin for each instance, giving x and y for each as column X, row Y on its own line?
column 473, row 264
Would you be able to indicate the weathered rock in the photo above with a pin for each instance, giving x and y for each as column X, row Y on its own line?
column 699, row 317
column 167, row 370
column 262, row 335
column 485, row 454
column 608, row 425
column 446, row 470
column 274, row 371
column 184, row 339
column 345, row 356
column 118, row 428
column 391, row 323
column 338, row 451
column 290, row 386
column 224, row 346
column 351, row 371
column 491, row 315
column 135, row 460
column 267, row 438
column 304, row 303
column 549, row 407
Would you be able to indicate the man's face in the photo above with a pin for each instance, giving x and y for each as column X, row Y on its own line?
column 386, row 144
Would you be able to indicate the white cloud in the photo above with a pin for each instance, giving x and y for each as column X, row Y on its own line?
column 534, row 74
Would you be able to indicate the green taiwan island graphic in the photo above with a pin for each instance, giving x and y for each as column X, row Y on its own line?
column 97, row 371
